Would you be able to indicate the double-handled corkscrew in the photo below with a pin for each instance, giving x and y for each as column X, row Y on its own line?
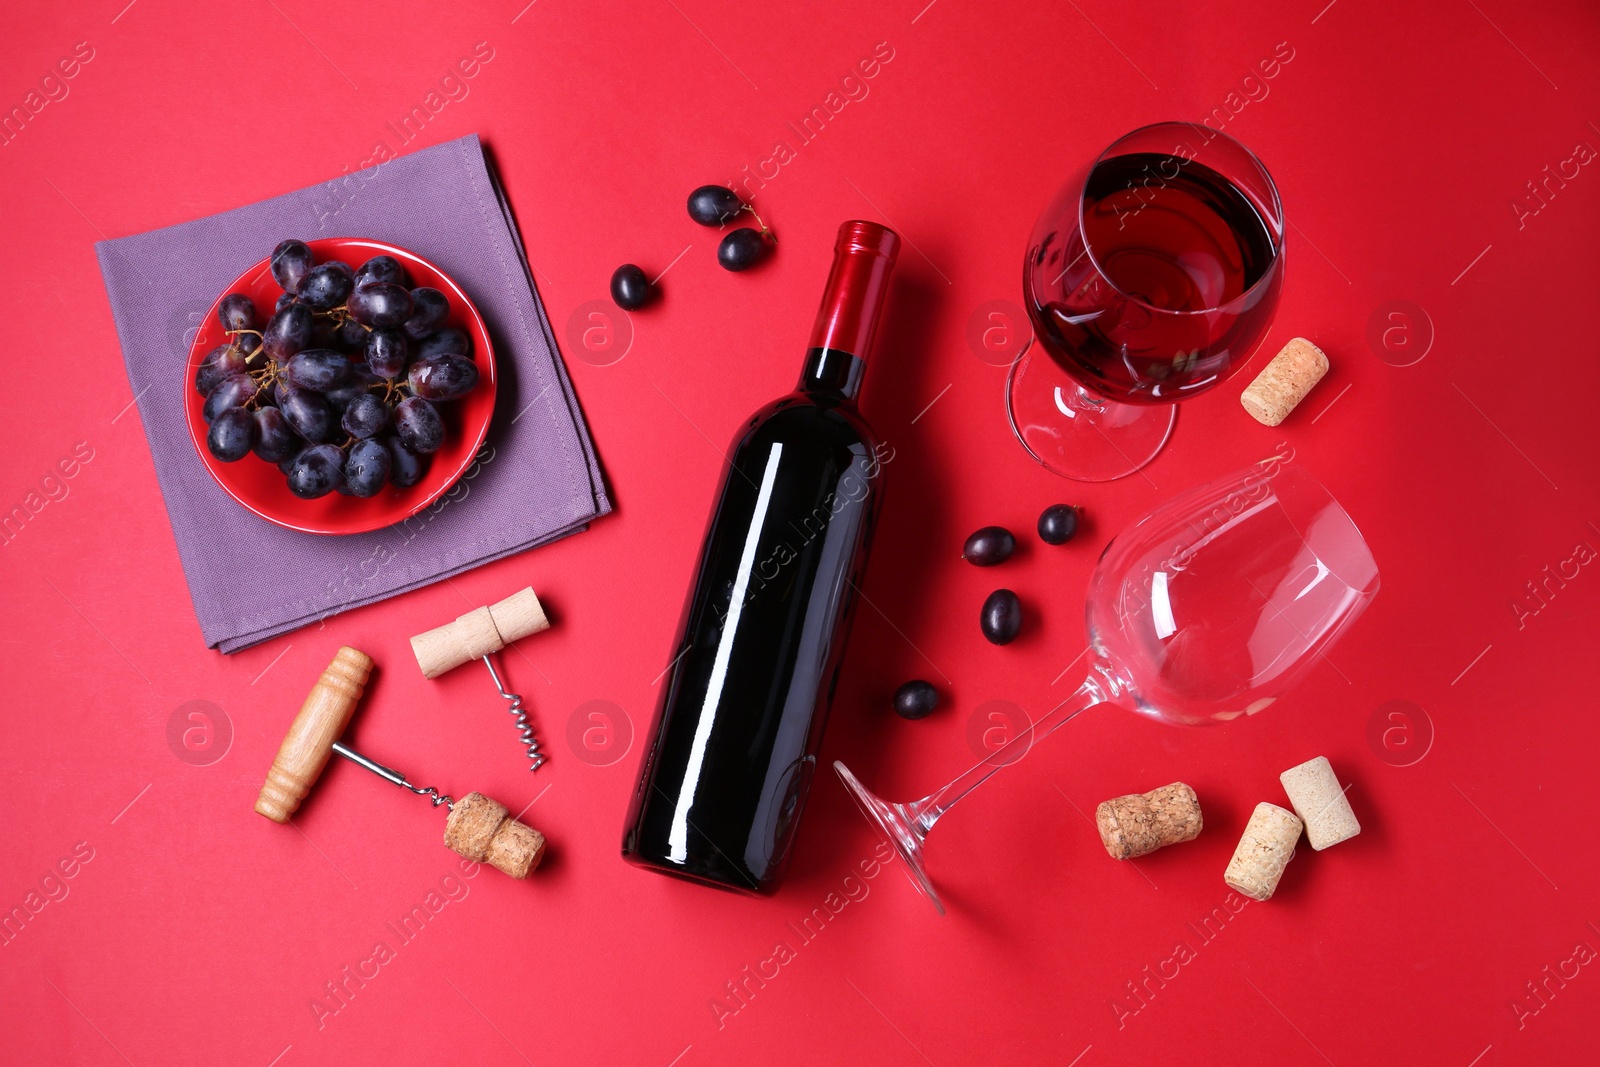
column 478, row 634
column 477, row 827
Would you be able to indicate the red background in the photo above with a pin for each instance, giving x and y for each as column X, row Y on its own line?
column 1400, row 135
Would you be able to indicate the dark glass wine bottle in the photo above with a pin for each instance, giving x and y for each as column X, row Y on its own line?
column 734, row 745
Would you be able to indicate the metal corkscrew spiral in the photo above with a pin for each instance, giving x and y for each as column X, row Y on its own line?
column 524, row 728
column 479, row 634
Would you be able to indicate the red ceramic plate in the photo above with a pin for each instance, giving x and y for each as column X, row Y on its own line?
column 259, row 485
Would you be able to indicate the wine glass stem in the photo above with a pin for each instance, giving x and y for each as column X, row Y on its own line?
column 925, row 812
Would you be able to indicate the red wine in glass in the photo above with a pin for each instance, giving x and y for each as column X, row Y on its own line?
column 1148, row 281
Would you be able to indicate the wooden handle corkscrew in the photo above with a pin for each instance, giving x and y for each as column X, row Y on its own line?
column 477, row 827
column 309, row 742
column 478, row 633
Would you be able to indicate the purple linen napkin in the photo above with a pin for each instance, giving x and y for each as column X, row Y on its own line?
column 536, row 479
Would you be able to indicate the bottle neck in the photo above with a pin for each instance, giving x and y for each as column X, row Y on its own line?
column 852, row 304
column 833, row 373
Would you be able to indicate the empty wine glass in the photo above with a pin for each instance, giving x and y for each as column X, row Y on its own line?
column 1205, row 610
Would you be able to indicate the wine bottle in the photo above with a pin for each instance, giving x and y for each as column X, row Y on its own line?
column 734, row 745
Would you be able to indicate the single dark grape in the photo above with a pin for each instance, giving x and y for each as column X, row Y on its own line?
column 915, row 700
column 365, row 416
column 387, row 353
column 447, row 340
column 338, row 399
column 406, row 468
column 429, row 309
column 291, row 262
column 381, row 305
column 326, row 286
column 419, row 426
column 287, row 332
column 443, row 377
column 307, row 412
column 351, row 335
column 237, row 312
column 742, row 249
column 284, row 300
column 367, row 468
column 219, row 363
column 232, row 434
column 247, row 342
column 276, row 441
column 630, row 289
column 381, row 269
column 1057, row 524
column 1001, row 618
column 234, row 391
column 317, row 471
column 713, row 205
column 989, row 546
column 320, row 369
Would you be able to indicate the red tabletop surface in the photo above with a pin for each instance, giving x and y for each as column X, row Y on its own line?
column 1454, row 300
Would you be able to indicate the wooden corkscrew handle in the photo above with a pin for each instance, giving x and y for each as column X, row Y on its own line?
column 478, row 633
column 481, row 830
column 309, row 742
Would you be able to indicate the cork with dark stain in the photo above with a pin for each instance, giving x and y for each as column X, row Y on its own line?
column 1140, row 823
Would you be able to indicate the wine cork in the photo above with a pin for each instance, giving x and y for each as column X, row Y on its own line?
column 1284, row 382
column 1140, row 823
column 516, row 849
column 478, row 633
column 479, row 829
column 1264, row 851
column 1314, row 791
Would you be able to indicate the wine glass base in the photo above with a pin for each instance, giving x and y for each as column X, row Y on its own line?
column 895, row 824
column 1075, row 434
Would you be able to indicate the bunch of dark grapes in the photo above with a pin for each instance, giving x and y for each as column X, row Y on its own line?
column 340, row 387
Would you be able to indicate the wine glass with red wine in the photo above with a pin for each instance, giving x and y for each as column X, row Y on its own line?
column 1148, row 280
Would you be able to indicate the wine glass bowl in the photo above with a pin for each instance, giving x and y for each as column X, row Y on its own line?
column 1148, row 279
column 1212, row 606
column 1206, row 610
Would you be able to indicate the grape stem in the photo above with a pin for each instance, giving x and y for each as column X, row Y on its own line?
column 264, row 377
column 766, row 231
column 393, row 388
column 340, row 315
